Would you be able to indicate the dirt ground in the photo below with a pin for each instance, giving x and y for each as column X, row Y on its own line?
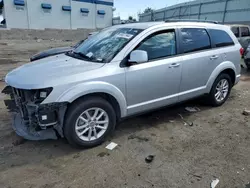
column 216, row 146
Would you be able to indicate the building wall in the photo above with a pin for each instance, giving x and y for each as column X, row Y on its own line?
column 55, row 17
column 103, row 21
column 33, row 16
column 83, row 20
column 16, row 14
column 224, row 11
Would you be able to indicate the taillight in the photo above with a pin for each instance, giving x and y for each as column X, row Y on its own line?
column 241, row 51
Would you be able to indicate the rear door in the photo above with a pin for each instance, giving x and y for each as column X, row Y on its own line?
column 199, row 60
column 225, row 46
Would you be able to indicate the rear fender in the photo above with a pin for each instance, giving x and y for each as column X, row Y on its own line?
column 220, row 68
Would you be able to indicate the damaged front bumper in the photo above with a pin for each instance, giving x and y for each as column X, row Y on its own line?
column 33, row 120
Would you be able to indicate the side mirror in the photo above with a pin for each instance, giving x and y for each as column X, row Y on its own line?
column 138, row 56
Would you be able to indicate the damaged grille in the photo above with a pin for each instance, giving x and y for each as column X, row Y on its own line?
column 20, row 100
column 28, row 104
column 32, row 119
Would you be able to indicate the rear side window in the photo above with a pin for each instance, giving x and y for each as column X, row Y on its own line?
column 194, row 39
column 220, row 38
column 236, row 31
column 245, row 31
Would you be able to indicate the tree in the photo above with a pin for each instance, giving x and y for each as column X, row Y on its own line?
column 148, row 10
column 130, row 18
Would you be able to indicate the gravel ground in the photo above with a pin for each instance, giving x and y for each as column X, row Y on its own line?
column 216, row 146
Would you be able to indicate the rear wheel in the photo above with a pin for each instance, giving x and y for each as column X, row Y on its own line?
column 89, row 121
column 221, row 90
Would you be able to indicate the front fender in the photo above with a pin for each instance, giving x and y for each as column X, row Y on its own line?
column 220, row 68
column 94, row 87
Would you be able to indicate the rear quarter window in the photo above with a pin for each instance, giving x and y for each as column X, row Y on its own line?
column 236, row 31
column 220, row 38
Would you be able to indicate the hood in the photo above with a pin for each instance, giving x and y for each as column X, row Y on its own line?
column 48, row 72
column 50, row 52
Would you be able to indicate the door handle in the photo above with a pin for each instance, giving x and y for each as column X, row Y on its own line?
column 173, row 65
column 214, row 57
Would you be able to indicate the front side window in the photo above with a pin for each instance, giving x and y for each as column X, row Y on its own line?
column 159, row 45
column 194, row 39
column 103, row 46
column 220, row 38
column 236, row 31
column 245, row 31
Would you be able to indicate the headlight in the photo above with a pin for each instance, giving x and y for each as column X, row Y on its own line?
column 42, row 94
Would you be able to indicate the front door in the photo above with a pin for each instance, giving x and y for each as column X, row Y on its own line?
column 155, row 83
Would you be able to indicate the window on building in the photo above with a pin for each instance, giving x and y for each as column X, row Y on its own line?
column 220, row 38
column 194, row 39
column 245, row 31
column 159, row 45
column 236, row 31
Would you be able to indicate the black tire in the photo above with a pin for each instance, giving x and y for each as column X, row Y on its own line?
column 211, row 97
column 76, row 109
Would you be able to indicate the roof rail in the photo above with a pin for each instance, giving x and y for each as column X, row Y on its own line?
column 191, row 20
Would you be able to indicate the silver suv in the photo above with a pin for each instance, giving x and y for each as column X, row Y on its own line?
column 122, row 71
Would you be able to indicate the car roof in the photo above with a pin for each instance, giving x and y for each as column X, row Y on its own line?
column 146, row 25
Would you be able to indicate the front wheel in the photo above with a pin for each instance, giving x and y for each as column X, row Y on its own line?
column 220, row 90
column 89, row 121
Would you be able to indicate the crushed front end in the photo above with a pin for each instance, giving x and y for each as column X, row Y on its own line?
column 33, row 120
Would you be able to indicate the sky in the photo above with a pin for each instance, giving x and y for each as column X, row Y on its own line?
column 126, row 8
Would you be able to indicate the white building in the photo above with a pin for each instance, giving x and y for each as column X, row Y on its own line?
column 58, row 14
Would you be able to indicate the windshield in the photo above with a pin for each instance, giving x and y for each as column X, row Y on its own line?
column 103, row 46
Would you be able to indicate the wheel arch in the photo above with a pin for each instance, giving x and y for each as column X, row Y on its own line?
column 111, row 99
column 96, row 88
column 225, row 67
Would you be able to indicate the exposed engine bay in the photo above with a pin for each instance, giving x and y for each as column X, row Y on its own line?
column 33, row 120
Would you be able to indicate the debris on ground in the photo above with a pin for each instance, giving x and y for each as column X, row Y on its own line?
column 197, row 176
column 185, row 122
column 18, row 141
column 102, row 154
column 38, row 40
column 149, row 158
column 214, row 183
column 67, row 40
column 247, row 185
column 139, row 138
column 171, row 121
column 76, row 156
column 111, row 146
column 192, row 109
column 246, row 112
